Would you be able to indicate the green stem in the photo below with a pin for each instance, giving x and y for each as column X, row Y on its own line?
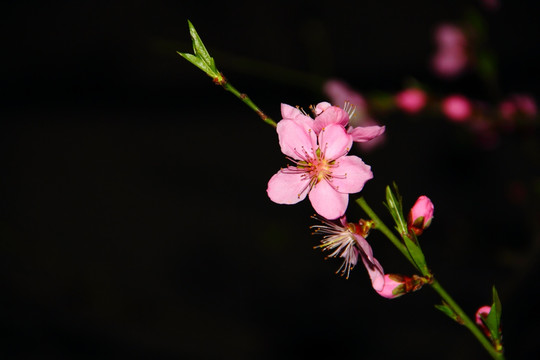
column 379, row 225
column 466, row 321
column 248, row 102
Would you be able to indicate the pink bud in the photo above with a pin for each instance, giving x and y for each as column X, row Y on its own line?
column 420, row 215
column 396, row 285
column 483, row 312
column 411, row 100
column 392, row 283
column 507, row 109
column 526, row 104
column 457, row 108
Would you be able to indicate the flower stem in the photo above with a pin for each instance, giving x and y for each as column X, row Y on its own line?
column 227, row 86
column 379, row 225
column 462, row 316
column 466, row 321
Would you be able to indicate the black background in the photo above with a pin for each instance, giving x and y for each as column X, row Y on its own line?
column 135, row 221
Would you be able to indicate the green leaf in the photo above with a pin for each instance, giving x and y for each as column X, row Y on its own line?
column 197, row 62
column 199, row 49
column 449, row 312
column 393, row 203
column 493, row 320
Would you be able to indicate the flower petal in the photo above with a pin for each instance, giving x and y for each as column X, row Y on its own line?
column 295, row 139
column 286, row 188
column 334, row 141
column 291, row 113
column 363, row 134
column 350, row 174
column 331, row 115
column 376, row 273
column 327, row 202
column 374, row 268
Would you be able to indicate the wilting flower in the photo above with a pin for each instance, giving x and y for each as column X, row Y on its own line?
column 420, row 215
column 457, row 108
column 411, row 100
column 347, row 240
column 396, row 285
column 322, row 169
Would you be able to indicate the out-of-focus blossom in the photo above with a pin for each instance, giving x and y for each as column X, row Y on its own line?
column 483, row 312
column 341, row 93
column 322, row 168
column 517, row 106
column 450, row 59
column 420, row 215
column 411, row 100
column 396, row 285
column 457, row 108
column 449, row 63
column 347, row 240
column 491, row 4
column 450, row 36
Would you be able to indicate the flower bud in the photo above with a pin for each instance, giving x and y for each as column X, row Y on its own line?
column 411, row 100
column 457, row 108
column 420, row 215
column 396, row 285
column 481, row 314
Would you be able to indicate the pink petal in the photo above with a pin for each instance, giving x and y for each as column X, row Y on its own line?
column 331, row 115
column 334, row 141
column 291, row 113
column 363, row 134
column 376, row 273
column 327, row 202
column 350, row 174
column 295, row 140
column 284, row 188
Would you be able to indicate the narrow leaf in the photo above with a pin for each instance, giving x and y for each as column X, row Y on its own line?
column 198, row 47
column 197, row 62
column 449, row 312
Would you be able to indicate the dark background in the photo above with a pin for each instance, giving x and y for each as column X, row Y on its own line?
column 135, row 221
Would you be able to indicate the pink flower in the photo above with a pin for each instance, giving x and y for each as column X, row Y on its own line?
column 526, row 104
column 341, row 94
column 449, row 36
column 420, row 215
column 451, row 56
column 396, row 285
column 457, row 108
column 449, row 63
column 411, row 100
column 322, row 169
column 347, row 240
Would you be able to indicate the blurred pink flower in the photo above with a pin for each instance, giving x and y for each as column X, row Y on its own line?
column 346, row 241
column 321, row 169
column 420, row 215
column 340, row 94
column 450, row 36
column 491, row 4
column 457, row 108
column 526, row 104
column 411, row 100
column 449, row 63
column 450, row 58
